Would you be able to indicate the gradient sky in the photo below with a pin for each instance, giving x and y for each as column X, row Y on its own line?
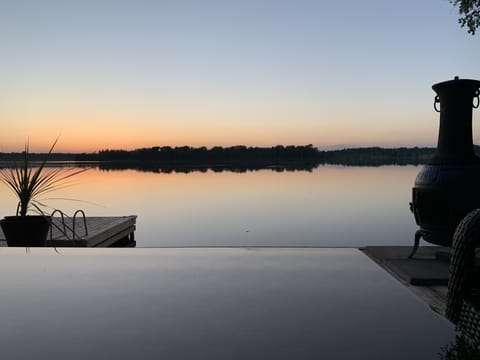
column 134, row 73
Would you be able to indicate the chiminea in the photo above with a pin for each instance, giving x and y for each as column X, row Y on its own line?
column 448, row 188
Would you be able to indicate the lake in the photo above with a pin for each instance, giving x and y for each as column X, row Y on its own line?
column 330, row 206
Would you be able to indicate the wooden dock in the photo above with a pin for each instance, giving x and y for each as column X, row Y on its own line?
column 99, row 232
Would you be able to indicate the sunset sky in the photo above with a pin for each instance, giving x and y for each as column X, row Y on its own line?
column 137, row 73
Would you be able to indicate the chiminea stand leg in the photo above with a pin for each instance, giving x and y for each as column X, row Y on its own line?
column 418, row 235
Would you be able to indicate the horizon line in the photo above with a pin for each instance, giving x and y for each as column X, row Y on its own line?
column 326, row 148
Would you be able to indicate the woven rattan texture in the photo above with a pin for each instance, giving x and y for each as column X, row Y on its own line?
column 465, row 239
column 469, row 321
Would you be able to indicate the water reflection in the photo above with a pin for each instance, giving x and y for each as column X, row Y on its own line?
column 328, row 206
column 185, row 169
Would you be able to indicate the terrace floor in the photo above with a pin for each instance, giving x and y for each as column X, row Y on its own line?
column 210, row 303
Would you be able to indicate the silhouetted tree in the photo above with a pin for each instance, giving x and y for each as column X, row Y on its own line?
column 470, row 14
column 240, row 157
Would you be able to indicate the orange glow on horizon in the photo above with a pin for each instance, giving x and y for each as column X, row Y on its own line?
column 99, row 130
column 84, row 142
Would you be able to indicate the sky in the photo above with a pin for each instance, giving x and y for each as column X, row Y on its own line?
column 111, row 74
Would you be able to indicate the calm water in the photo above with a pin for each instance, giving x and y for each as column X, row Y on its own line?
column 330, row 206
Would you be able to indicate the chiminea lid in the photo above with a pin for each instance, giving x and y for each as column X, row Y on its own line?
column 465, row 86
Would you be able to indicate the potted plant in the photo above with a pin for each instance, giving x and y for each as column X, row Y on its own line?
column 30, row 180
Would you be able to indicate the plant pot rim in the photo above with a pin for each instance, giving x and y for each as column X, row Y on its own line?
column 27, row 217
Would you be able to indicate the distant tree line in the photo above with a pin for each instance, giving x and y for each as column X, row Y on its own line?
column 214, row 155
column 240, row 157
column 254, row 156
column 19, row 157
column 372, row 156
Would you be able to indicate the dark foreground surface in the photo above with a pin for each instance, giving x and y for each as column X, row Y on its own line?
column 205, row 303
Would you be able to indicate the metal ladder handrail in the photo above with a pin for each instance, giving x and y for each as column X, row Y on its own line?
column 84, row 222
column 62, row 215
column 66, row 228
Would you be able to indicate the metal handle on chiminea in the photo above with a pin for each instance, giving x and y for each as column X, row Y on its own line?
column 435, row 102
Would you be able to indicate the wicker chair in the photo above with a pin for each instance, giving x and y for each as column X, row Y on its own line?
column 463, row 300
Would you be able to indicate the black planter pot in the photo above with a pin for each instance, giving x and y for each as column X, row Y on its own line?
column 26, row 231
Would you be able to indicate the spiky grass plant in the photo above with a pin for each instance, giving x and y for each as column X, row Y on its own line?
column 30, row 181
